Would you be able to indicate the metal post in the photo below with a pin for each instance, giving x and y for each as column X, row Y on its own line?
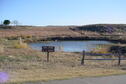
column 47, row 56
column 83, row 57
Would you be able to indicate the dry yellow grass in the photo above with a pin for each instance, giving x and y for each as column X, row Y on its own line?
column 24, row 65
column 1, row 48
column 20, row 45
column 61, row 66
column 60, row 73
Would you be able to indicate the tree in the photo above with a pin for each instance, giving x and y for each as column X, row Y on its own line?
column 15, row 22
column 1, row 23
column 6, row 22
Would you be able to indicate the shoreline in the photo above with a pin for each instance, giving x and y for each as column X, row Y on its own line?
column 75, row 39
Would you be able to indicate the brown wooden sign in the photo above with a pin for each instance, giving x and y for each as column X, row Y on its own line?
column 48, row 49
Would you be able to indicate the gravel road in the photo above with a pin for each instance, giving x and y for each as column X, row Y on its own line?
column 121, row 79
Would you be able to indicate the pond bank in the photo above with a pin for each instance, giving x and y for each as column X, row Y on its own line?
column 93, row 38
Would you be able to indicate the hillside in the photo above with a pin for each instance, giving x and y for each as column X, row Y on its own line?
column 97, row 31
column 104, row 28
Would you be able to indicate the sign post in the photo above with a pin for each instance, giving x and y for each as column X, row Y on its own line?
column 48, row 49
column 119, row 59
column 47, row 56
column 83, row 58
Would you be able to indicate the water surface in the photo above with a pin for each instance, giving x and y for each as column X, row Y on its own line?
column 70, row 46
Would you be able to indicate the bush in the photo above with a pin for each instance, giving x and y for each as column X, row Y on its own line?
column 118, row 49
column 6, row 22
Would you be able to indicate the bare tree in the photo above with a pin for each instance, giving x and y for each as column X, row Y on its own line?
column 15, row 22
column 1, row 23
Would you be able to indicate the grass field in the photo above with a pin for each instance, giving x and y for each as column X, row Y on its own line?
column 22, row 64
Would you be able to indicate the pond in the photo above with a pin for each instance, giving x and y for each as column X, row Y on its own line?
column 70, row 46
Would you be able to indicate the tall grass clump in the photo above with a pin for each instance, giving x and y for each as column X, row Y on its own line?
column 20, row 44
column 1, row 48
column 100, row 49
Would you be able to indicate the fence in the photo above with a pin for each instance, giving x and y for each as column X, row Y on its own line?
column 118, row 59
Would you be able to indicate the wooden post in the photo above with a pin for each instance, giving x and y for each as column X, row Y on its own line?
column 47, row 56
column 119, row 59
column 83, row 57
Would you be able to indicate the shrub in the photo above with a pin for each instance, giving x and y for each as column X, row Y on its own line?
column 6, row 22
column 29, row 36
column 20, row 45
column 118, row 49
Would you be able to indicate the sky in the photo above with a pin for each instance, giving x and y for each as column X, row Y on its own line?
column 64, row 12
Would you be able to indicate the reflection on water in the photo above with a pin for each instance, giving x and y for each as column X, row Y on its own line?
column 70, row 46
